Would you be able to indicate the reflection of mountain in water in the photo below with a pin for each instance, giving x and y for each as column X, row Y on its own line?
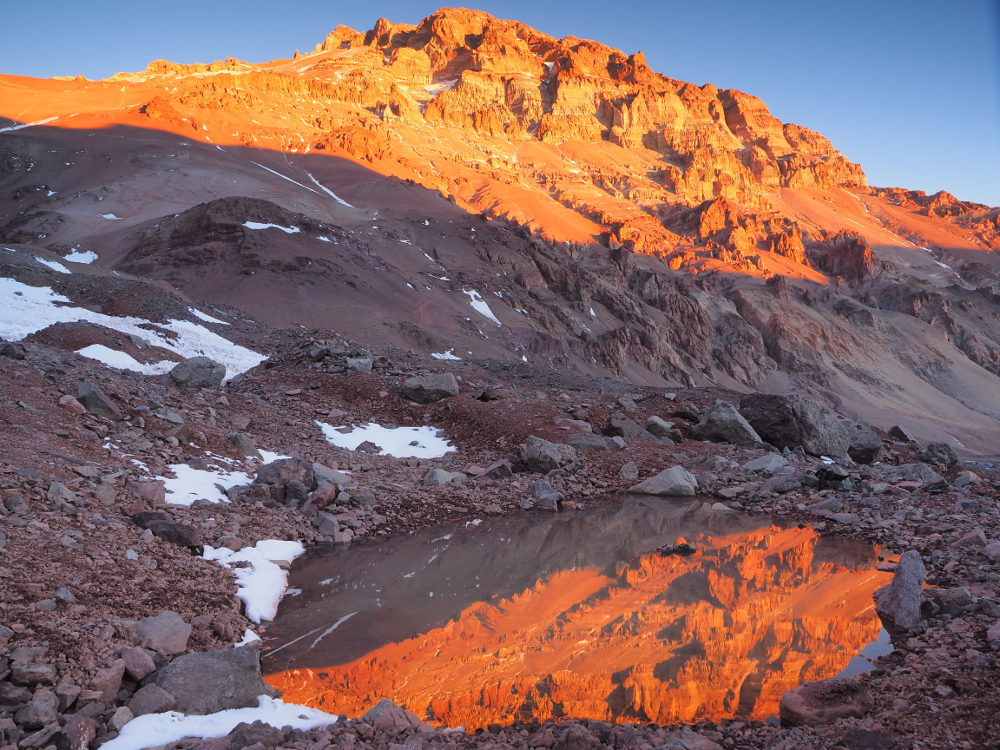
column 577, row 615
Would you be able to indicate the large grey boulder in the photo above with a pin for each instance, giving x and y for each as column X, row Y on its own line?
column 438, row 477
column 940, row 453
column 824, row 702
column 865, row 446
column 197, row 372
column 622, row 426
column 767, row 464
column 724, row 424
column 674, row 482
column 205, row 683
column 95, row 402
column 791, row 421
column 899, row 601
column 659, row 427
column 429, row 389
column 540, row 455
column 911, row 472
column 243, row 444
column 327, row 477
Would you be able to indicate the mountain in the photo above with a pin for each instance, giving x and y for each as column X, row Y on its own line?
column 471, row 185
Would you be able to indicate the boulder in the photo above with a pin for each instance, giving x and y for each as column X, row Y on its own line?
column 824, row 702
column 42, row 709
column 865, row 446
column 767, row 464
column 622, row 426
column 95, row 402
column 438, row 477
column 901, row 434
column 79, row 732
column 166, row 632
column 154, row 493
column 138, row 663
column 178, row 533
column 586, row 442
column 359, row 364
column 387, row 715
column 497, row 470
column 899, row 601
column 197, row 372
column 327, row 477
column 724, row 424
column 629, row 472
column 911, row 473
column 791, row 421
column 326, row 524
column 243, row 444
column 658, row 427
column 204, row 683
column 541, row 455
column 576, row 737
column 70, row 404
column 546, row 496
column 256, row 735
column 674, row 482
column 108, row 681
column 941, row 454
column 150, row 699
column 284, row 469
column 429, row 389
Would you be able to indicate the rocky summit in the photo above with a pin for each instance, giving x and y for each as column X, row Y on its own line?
column 464, row 272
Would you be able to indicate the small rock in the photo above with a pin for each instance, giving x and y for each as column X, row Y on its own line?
column 11, row 350
column 70, row 404
column 138, row 663
column 940, row 453
column 546, row 496
column 586, row 441
column 901, row 434
column 674, row 482
column 767, row 464
column 42, row 709
column 438, row 477
column 30, row 675
column 629, row 472
column 359, row 364
column 865, row 445
column 899, row 601
column 154, row 493
column 326, row 524
column 494, row 510
column 863, row 739
column 120, row 718
column 108, row 681
column 497, row 470
column 387, row 715
column 243, row 444
column 659, row 427
column 79, row 732
column 971, row 539
column 150, row 699
column 723, row 423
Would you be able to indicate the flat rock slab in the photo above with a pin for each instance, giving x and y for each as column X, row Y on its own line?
column 205, row 683
column 674, row 482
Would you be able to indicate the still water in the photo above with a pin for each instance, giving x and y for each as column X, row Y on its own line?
column 577, row 614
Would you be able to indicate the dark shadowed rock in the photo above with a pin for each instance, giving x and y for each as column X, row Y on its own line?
column 911, row 472
column 178, row 533
column 864, row 739
column 791, row 421
column 386, row 715
column 622, row 426
column 546, row 496
column 824, row 702
column 541, row 455
column 865, row 446
column 96, row 402
column 429, row 389
column 723, row 423
column 659, row 427
column 284, row 469
column 205, row 683
column 900, row 433
column 166, row 633
column 576, row 737
column 143, row 518
column 497, row 470
column 899, row 601
column 327, row 477
column 248, row 735
column 941, row 454
column 42, row 709
column 674, row 482
column 197, row 372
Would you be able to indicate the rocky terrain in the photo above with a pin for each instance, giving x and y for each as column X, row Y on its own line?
column 594, row 281
column 87, row 644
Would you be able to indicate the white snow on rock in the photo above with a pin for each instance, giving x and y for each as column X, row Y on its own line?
column 248, row 637
column 329, row 192
column 28, row 125
column 53, row 264
column 205, row 317
column 262, row 584
column 111, row 217
column 123, row 361
column 193, row 484
column 77, row 257
column 480, row 306
column 156, row 730
column 401, row 442
column 448, row 355
column 25, row 309
column 258, row 225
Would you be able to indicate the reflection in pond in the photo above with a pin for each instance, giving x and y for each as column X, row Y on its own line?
column 576, row 615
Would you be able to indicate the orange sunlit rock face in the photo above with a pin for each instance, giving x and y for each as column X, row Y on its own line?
column 756, row 611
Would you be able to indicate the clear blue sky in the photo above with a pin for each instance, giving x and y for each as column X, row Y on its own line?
column 908, row 88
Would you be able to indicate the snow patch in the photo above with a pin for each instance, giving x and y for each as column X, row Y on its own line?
column 206, row 318
column 155, row 730
column 329, row 192
column 77, row 257
column 398, row 442
column 28, row 125
column 123, row 361
column 448, row 355
column 53, row 264
column 258, row 225
column 111, row 217
column 262, row 584
column 190, row 484
column 480, row 306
